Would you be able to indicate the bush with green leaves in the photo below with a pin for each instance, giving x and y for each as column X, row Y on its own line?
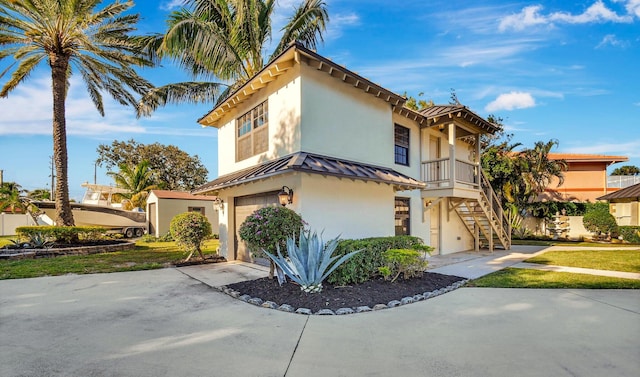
column 406, row 262
column 630, row 234
column 599, row 220
column 310, row 261
column 62, row 234
column 268, row 228
column 364, row 265
column 190, row 229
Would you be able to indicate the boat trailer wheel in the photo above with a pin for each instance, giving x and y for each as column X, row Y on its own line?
column 138, row 232
column 128, row 233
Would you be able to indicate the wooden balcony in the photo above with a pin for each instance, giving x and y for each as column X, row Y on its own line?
column 446, row 177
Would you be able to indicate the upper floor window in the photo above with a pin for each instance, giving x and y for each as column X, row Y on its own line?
column 252, row 135
column 402, row 145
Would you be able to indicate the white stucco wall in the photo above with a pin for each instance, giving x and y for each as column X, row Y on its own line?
column 342, row 121
column 352, row 209
column 454, row 235
column 167, row 209
column 10, row 221
column 283, row 95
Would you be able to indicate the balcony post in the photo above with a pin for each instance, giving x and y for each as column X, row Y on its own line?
column 452, row 154
column 478, row 161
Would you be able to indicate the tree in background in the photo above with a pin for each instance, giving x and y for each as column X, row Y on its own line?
column 171, row 168
column 225, row 40
column 417, row 104
column 67, row 35
column 137, row 180
column 39, row 194
column 626, row 170
column 11, row 197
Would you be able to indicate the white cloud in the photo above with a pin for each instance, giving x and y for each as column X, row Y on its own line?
column 598, row 12
column 633, row 7
column 510, row 101
column 28, row 111
column 172, row 4
column 529, row 16
column 629, row 148
column 610, row 39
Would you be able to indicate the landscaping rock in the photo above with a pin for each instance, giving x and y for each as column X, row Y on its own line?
column 286, row 308
column 343, row 311
column 325, row 312
column 418, row 297
column 394, row 303
column 362, row 309
column 407, row 300
column 304, row 311
column 245, row 298
column 255, row 301
column 270, row 305
column 380, row 307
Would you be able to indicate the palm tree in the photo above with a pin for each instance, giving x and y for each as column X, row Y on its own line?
column 224, row 40
column 39, row 194
column 540, row 169
column 138, row 181
column 70, row 34
column 10, row 197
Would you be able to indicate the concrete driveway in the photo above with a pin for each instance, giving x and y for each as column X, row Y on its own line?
column 165, row 323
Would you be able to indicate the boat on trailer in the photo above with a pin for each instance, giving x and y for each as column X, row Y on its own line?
column 101, row 206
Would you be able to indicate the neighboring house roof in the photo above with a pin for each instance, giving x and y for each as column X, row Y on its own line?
column 631, row 192
column 167, row 194
column 313, row 164
column 579, row 157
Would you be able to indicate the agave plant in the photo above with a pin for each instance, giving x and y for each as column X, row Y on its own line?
column 311, row 262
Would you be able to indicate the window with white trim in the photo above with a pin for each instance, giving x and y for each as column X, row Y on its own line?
column 403, row 216
column 252, row 136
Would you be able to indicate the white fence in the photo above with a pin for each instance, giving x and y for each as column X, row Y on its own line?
column 622, row 181
column 9, row 222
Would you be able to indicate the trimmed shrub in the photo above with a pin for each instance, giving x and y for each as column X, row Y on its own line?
column 269, row 227
column 190, row 229
column 364, row 265
column 599, row 220
column 62, row 234
column 630, row 233
column 406, row 262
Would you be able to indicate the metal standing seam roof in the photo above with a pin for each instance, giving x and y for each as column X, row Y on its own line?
column 631, row 192
column 433, row 113
column 313, row 164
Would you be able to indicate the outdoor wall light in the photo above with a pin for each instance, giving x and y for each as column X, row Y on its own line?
column 218, row 204
column 285, row 196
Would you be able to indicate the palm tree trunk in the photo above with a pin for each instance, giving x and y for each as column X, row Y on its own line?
column 59, row 66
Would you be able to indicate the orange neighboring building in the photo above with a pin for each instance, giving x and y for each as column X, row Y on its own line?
column 585, row 178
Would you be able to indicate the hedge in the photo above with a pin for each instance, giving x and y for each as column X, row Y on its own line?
column 364, row 265
column 63, row 234
column 630, row 233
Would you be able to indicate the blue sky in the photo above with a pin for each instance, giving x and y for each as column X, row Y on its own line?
column 552, row 69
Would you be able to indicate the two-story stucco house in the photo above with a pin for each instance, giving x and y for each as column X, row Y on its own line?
column 357, row 162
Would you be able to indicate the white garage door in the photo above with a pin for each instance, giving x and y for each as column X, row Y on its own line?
column 246, row 205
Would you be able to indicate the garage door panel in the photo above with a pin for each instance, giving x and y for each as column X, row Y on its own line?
column 245, row 206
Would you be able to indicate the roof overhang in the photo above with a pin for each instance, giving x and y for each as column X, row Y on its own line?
column 444, row 114
column 312, row 164
column 297, row 54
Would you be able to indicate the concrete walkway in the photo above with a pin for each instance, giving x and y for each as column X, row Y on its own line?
column 473, row 265
column 170, row 322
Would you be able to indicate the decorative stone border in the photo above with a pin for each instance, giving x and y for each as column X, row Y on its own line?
column 78, row 250
column 360, row 309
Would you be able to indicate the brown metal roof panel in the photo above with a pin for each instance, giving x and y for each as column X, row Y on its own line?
column 631, row 192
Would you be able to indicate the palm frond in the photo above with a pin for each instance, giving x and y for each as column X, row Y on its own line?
column 184, row 92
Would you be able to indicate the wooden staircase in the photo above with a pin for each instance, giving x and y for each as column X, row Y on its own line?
column 484, row 218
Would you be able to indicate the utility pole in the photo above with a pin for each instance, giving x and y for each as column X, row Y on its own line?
column 53, row 177
column 1, row 177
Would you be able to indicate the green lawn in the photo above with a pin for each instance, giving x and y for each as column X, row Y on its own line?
column 625, row 260
column 145, row 256
column 523, row 278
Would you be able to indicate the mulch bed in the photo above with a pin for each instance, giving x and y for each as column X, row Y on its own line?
column 376, row 291
column 198, row 261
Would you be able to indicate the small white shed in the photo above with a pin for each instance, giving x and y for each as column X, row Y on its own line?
column 163, row 205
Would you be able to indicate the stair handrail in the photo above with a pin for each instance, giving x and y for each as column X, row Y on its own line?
column 496, row 207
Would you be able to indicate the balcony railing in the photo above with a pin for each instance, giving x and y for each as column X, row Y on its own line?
column 438, row 173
